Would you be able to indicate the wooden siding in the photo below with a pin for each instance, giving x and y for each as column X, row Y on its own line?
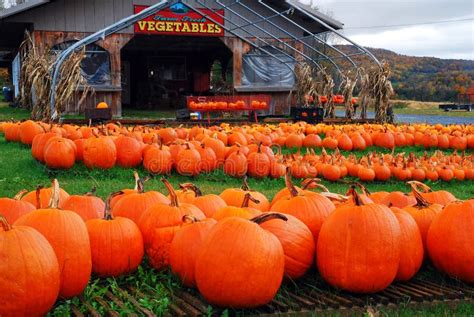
column 93, row 15
column 113, row 44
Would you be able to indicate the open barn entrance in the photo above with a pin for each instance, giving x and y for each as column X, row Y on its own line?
column 159, row 71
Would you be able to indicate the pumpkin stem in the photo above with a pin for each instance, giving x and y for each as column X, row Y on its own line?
column 190, row 186
column 54, row 201
column 189, row 219
column 20, row 194
column 247, row 198
column 107, row 211
column 268, row 216
column 364, row 189
column 3, row 221
column 278, row 148
column 91, row 192
column 421, row 187
column 315, row 182
column 421, row 202
column 137, row 178
column 38, row 196
column 355, row 196
column 245, row 184
column 289, row 184
column 172, row 193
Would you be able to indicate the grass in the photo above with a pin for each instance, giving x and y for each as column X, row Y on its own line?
column 425, row 108
column 21, row 171
column 9, row 113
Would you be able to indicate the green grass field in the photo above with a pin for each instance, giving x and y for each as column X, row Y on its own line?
column 21, row 171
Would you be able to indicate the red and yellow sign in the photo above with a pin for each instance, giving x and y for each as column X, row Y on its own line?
column 180, row 20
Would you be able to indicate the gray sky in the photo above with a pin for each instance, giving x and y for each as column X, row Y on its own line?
column 444, row 40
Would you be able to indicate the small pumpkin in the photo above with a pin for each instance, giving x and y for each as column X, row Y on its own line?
column 235, row 196
column 14, row 208
column 134, row 204
column 87, row 206
column 160, row 222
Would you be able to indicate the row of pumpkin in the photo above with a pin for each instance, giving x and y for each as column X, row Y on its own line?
column 210, row 153
column 297, row 135
column 236, row 248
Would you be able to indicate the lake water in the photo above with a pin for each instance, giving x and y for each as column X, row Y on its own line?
column 430, row 119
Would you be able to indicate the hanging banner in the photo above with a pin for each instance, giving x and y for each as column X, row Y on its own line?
column 180, row 20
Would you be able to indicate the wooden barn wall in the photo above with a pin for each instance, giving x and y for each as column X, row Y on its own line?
column 113, row 44
column 93, row 15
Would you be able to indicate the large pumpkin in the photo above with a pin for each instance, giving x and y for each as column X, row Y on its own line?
column 297, row 242
column 160, row 222
column 29, row 272
column 67, row 234
column 411, row 251
column 358, row 249
column 14, row 208
column 240, row 264
column 116, row 244
column 185, row 247
column 450, row 240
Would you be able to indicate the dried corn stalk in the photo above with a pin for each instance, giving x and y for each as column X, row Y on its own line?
column 36, row 77
column 348, row 84
column 377, row 88
column 325, row 87
column 305, row 86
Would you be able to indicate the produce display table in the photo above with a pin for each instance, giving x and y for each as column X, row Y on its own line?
column 209, row 104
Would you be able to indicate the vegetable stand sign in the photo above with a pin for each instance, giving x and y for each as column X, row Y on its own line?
column 180, row 20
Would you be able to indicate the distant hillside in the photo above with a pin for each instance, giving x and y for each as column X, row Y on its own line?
column 426, row 78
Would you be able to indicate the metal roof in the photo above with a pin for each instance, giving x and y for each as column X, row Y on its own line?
column 28, row 4
column 318, row 14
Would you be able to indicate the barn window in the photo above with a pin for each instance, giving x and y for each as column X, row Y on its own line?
column 262, row 69
column 96, row 64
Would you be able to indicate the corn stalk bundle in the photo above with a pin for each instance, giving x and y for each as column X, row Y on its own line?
column 305, row 86
column 325, row 87
column 376, row 86
column 348, row 84
column 36, row 77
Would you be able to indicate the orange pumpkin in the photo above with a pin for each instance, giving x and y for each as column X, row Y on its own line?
column 450, row 239
column 29, row 270
column 352, row 239
column 221, row 278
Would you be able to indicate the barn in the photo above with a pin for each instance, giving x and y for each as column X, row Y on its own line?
column 182, row 49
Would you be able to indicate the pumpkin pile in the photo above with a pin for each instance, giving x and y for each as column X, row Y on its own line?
column 360, row 242
column 255, row 150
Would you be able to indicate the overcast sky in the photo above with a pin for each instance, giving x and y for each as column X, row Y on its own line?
column 444, row 40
